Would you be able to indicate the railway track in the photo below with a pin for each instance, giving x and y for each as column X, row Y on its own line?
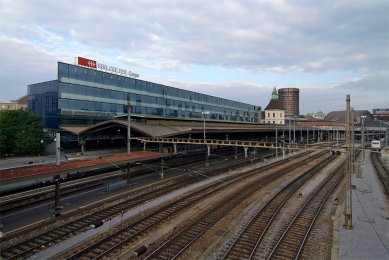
column 381, row 170
column 33, row 245
column 106, row 246
column 247, row 242
column 294, row 237
column 18, row 201
column 177, row 244
column 15, row 201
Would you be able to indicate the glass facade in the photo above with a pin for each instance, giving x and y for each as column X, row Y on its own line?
column 43, row 100
column 87, row 96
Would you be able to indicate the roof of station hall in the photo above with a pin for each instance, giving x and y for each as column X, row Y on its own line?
column 167, row 128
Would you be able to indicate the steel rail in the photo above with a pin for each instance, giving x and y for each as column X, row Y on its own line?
column 305, row 218
column 381, row 170
column 179, row 242
column 254, row 231
column 38, row 243
column 117, row 236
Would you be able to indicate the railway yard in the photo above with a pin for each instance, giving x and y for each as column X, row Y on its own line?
column 262, row 207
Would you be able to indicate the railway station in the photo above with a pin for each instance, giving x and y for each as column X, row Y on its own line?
column 140, row 170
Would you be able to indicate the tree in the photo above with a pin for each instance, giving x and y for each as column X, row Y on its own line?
column 21, row 132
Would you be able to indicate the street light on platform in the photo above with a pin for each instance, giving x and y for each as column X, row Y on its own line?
column 204, row 113
column 348, row 203
column 128, row 126
column 363, row 137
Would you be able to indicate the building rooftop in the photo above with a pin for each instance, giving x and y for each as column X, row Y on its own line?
column 340, row 116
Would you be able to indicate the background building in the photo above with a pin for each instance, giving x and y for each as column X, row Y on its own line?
column 85, row 96
column 381, row 114
column 290, row 100
column 20, row 103
column 340, row 116
column 274, row 113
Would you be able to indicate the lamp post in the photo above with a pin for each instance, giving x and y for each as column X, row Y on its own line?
column 207, row 147
column 294, row 130
column 363, row 138
column 290, row 134
column 348, row 205
column 276, row 141
column 128, row 126
column 204, row 115
column 57, row 148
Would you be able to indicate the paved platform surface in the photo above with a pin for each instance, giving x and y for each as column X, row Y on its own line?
column 41, row 167
column 369, row 237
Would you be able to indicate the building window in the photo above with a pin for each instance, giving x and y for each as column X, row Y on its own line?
column 281, row 115
column 268, row 114
column 274, row 114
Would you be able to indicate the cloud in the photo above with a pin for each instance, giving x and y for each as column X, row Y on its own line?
column 253, row 35
column 19, row 57
column 247, row 92
column 304, row 38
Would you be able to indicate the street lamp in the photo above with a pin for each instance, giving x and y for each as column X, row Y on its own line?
column 128, row 126
column 204, row 114
column 294, row 130
column 363, row 137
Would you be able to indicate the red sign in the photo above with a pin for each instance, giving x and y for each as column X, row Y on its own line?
column 86, row 62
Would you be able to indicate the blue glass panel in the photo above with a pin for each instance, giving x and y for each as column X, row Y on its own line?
column 90, row 75
column 73, row 72
column 63, row 70
column 81, row 74
column 81, row 90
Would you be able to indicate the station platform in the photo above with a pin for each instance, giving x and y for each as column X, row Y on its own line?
column 369, row 237
column 17, row 172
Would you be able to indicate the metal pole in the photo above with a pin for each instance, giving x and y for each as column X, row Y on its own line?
column 290, row 132
column 57, row 190
column 352, row 141
column 337, row 133
column 276, row 141
column 128, row 128
column 162, row 165
column 58, row 148
column 301, row 133
column 313, row 134
column 294, row 130
column 307, row 135
column 128, row 173
column 204, row 129
column 363, row 138
column 348, row 210
column 318, row 135
column 207, row 155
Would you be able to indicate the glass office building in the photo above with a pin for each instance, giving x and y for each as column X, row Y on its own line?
column 84, row 96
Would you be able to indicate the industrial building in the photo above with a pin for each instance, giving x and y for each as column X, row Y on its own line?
column 290, row 101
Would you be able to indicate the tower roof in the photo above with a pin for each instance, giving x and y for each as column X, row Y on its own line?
column 274, row 102
column 274, row 94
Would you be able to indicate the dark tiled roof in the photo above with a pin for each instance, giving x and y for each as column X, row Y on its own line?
column 274, row 104
column 23, row 100
column 340, row 116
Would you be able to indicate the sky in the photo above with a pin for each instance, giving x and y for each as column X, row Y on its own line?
column 237, row 50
